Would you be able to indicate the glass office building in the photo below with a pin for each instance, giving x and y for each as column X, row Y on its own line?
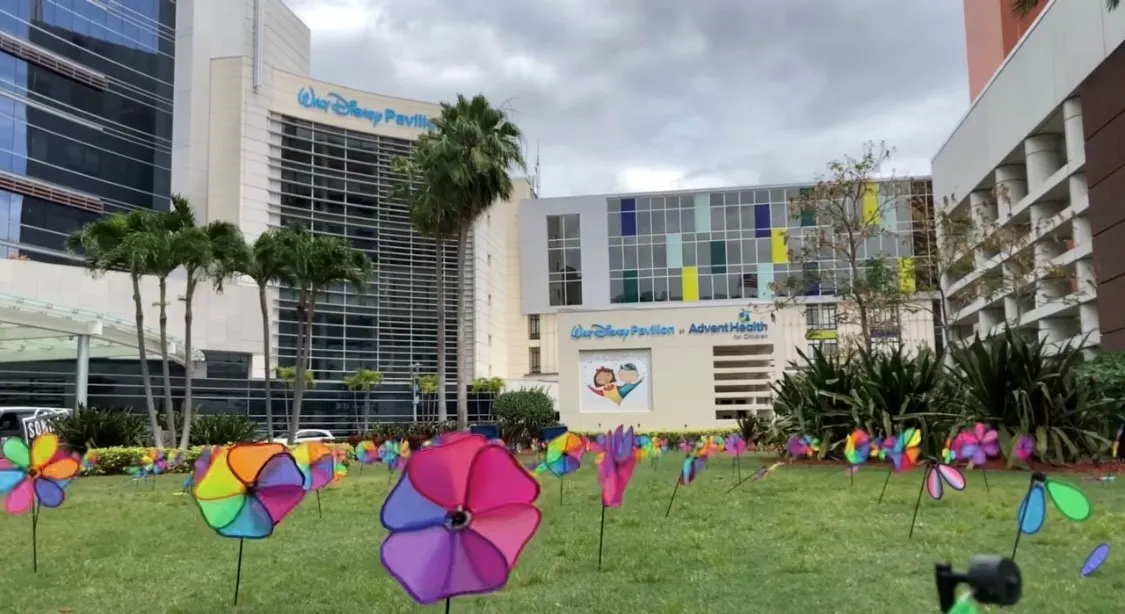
column 336, row 182
column 85, row 116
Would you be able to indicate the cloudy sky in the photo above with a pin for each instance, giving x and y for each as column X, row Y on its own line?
column 629, row 95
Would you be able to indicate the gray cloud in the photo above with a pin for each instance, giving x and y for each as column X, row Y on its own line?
column 650, row 94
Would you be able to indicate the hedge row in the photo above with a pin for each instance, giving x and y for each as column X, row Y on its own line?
column 115, row 461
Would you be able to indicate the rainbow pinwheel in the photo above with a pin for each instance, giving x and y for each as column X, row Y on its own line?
column 39, row 475
column 247, row 491
column 34, row 479
column 316, row 463
column 201, row 465
column 366, row 453
column 903, row 450
column 564, row 456
column 89, row 460
column 339, row 465
column 802, row 445
column 459, row 518
column 388, row 453
column 857, row 449
column 947, row 454
column 977, row 444
column 174, row 460
column 1068, row 499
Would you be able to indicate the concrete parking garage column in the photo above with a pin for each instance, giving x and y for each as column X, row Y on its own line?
column 82, row 372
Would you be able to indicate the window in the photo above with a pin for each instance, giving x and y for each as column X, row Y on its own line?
column 533, row 365
column 564, row 259
column 533, row 327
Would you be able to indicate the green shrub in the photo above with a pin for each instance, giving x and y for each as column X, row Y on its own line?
column 221, row 429
column 752, row 428
column 115, row 460
column 523, row 414
column 1023, row 385
column 101, row 427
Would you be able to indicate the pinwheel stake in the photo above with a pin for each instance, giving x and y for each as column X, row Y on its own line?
column 1036, row 478
column 759, row 474
column 34, row 540
column 885, row 482
column 673, row 499
column 238, row 570
column 601, row 539
column 934, row 479
column 319, row 512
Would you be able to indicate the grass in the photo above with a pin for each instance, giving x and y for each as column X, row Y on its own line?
column 800, row 540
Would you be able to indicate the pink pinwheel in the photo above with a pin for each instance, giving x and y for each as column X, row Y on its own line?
column 736, row 445
column 615, row 461
column 1023, row 448
column 459, row 517
column 686, row 446
column 977, row 444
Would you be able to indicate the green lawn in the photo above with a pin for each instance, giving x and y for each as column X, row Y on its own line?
column 798, row 541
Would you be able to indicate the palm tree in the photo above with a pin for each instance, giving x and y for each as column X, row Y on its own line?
column 316, row 263
column 206, row 252
column 433, row 217
column 153, row 243
column 263, row 262
column 364, row 380
column 288, row 375
column 1022, row 8
column 470, row 155
column 105, row 245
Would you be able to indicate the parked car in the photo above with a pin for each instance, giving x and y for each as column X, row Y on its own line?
column 308, row 435
column 27, row 422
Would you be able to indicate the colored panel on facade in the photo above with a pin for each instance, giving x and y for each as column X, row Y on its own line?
column 719, row 257
column 779, row 246
column 762, row 221
column 890, row 218
column 631, row 287
column 629, row 217
column 674, row 250
column 703, row 213
column 691, row 283
column 765, row 280
column 871, row 204
column 907, row 281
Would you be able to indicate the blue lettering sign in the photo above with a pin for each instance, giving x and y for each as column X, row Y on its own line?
column 605, row 331
column 345, row 107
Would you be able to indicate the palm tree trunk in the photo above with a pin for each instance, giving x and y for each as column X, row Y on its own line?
column 189, row 364
column 462, row 324
column 164, row 359
column 439, row 289
column 150, row 403
column 304, row 348
column 266, row 358
column 367, row 411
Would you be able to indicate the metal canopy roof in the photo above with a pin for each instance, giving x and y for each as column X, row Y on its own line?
column 32, row 330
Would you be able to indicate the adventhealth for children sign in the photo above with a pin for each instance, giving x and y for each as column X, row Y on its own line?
column 744, row 328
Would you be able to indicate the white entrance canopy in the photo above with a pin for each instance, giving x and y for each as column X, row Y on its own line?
column 33, row 331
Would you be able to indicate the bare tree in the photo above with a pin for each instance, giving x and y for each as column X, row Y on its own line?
column 847, row 221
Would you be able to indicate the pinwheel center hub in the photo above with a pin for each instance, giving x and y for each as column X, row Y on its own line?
column 33, row 473
column 459, row 519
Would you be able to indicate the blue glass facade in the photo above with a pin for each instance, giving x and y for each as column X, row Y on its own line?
column 86, row 94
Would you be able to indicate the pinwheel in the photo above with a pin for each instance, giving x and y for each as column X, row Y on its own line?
column 1068, row 499
column 564, row 456
column 976, row 445
column 857, row 449
column 201, row 465
column 34, row 479
column 934, row 479
column 458, row 520
column 1023, row 448
column 802, row 445
column 902, row 451
column 615, row 462
column 149, row 465
column 339, row 465
column 316, row 463
column 89, row 460
column 736, row 447
column 174, row 460
column 642, row 445
column 366, row 453
column 686, row 446
column 688, row 472
column 388, row 453
column 1095, row 560
column 247, row 491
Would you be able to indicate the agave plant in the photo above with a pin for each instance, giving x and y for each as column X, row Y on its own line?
column 1023, row 385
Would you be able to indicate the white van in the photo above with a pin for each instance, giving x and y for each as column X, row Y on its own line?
column 27, row 422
